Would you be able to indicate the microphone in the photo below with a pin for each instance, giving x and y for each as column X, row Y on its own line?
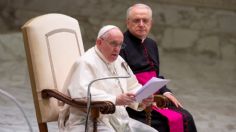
column 125, row 66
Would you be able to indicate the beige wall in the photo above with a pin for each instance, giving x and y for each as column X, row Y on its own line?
column 199, row 27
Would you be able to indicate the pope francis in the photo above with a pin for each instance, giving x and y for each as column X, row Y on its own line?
column 100, row 61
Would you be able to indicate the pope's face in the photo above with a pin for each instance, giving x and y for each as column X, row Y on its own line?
column 139, row 22
column 111, row 45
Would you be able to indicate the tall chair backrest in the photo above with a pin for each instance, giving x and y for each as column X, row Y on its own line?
column 52, row 43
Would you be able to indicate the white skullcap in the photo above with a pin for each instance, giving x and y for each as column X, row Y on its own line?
column 105, row 29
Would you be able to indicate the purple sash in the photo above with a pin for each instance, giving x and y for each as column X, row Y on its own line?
column 175, row 119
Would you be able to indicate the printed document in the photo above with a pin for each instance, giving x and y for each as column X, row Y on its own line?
column 152, row 86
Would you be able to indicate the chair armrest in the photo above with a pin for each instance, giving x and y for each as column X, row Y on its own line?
column 161, row 101
column 105, row 107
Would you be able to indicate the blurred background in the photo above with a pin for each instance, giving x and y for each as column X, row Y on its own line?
column 196, row 39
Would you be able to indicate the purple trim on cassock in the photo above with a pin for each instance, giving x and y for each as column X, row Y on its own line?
column 175, row 119
column 143, row 77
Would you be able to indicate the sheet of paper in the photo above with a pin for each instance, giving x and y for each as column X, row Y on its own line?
column 152, row 86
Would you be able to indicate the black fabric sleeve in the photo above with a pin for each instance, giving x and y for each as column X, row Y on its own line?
column 164, row 88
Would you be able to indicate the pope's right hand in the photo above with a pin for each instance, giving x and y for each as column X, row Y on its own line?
column 125, row 99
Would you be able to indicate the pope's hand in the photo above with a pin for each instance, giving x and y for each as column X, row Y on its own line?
column 125, row 99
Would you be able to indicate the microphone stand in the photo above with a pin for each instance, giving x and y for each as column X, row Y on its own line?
column 124, row 64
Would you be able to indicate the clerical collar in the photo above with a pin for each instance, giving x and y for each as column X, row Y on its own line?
column 101, row 55
column 134, row 38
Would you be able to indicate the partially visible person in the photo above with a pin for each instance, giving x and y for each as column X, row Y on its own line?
column 141, row 54
column 100, row 61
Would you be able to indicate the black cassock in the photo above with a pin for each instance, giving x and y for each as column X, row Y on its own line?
column 144, row 57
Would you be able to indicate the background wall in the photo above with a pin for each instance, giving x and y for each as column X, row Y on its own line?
column 196, row 26
column 196, row 38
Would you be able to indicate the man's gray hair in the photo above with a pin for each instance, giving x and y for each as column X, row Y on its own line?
column 138, row 6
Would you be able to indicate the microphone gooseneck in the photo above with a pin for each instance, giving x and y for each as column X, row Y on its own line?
column 124, row 64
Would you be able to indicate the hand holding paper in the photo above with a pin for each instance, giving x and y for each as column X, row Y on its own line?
column 152, row 86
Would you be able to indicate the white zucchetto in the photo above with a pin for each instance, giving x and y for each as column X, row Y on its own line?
column 105, row 29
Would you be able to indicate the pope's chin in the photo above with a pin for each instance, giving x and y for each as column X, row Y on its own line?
column 113, row 58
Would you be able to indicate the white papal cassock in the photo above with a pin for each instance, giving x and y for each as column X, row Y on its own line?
column 90, row 66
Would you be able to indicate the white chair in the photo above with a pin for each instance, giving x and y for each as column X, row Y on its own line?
column 52, row 44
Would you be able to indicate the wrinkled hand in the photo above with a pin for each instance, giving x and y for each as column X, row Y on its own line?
column 125, row 99
column 173, row 99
